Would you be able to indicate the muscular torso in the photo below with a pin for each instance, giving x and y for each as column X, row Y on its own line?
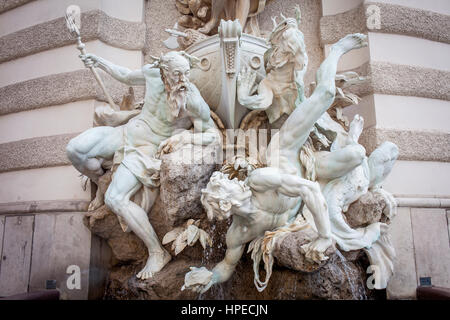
column 155, row 113
column 271, row 210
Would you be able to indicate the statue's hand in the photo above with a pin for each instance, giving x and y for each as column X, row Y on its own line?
column 246, row 84
column 173, row 143
column 90, row 60
column 315, row 250
column 198, row 280
column 390, row 210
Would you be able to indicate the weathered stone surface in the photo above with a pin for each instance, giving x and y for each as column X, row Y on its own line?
column 53, row 34
column 16, row 255
column 288, row 254
column 338, row 279
column 47, row 152
column 125, row 246
column 396, row 19
column 61, row 88
column 182, row 181
column 367, row 210
column 353, row 255
column 403, row 283
column 165, row 285
column 431, row 245
column 6, row 5
column 414, row 145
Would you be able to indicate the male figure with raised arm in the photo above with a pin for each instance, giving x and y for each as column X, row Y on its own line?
column 172, row 105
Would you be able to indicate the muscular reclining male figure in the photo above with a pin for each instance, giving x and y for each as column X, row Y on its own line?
column 172, row 104
column 271, row 196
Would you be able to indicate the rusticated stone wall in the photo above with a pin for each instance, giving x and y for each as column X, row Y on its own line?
column 406, row 101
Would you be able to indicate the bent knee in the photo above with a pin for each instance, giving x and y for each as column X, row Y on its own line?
column 72, row 151
column 71, row 148
column 113, row 201
column 357, row 153
column 390, row 149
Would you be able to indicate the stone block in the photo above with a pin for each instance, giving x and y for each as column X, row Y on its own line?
column 60, row 240
column 431, row 244
column 42, row 260
column 403, row 283
column 182, row 181
column 2, row 229
column 16, row 257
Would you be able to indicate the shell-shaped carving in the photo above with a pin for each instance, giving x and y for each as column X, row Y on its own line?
column 180, row 243
column 204, row 238
column 192, row 234
column 172, row 235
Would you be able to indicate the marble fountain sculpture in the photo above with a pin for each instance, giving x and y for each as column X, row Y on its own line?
column 311, row 201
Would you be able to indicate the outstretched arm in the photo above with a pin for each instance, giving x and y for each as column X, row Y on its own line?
column 225, row 268
column 195, row 279
column 119, row 73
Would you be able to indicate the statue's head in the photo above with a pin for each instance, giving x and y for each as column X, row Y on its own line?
column 221, row 195
column 175, row 69
column 285, row 24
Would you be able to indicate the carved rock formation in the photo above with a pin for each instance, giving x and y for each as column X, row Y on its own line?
column 288, row 254
column 182, row 182
column 366, row 210
column 337, row 279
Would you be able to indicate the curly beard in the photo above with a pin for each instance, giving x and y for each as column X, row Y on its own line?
column 176, row 96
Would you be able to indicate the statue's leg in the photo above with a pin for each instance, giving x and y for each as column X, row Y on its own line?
column 123, row 186
column 88, row 150
column 381, row 162
column 335, row 164
column 332, row 165
column 296, row 129
column 216, row 10
column 346, row 237
column 242, row 11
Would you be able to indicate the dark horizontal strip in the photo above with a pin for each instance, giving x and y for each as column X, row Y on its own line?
column 44, row 206
column 414, row 145
column 54, row 34
column 394, row 19
column 334, row 27
column 59, row 89
column 6, row 5
column 403, row 80
column 41, row 152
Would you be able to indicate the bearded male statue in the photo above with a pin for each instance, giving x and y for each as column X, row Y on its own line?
column 171, row 106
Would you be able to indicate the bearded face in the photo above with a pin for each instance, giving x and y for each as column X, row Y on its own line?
column 176, row 81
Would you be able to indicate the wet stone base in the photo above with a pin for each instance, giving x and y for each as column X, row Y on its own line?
column 338, row 279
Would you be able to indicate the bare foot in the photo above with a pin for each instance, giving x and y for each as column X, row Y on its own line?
column 155, row 262
column 206, row 29
column 98, row 201
column 350, row 42
column 356, row 128
column 315, row 250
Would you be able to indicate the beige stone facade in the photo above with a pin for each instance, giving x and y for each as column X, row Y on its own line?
column 406, row 101
column 47, row 97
